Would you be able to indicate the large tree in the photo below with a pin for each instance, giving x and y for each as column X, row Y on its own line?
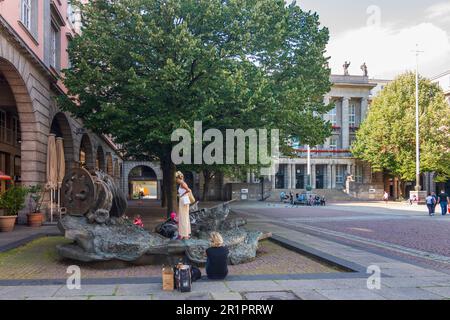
column 387, row 138
column 142, row 68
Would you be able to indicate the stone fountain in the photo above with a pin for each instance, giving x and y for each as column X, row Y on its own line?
column 96, row 223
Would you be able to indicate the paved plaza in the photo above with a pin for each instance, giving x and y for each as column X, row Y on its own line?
column 409, row 247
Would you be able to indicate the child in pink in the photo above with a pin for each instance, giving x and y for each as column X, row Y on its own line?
column 138, row 221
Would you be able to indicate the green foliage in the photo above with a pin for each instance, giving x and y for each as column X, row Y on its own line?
column 142, row 68
column 386, row 138
column 35, row 197
column 13, row 200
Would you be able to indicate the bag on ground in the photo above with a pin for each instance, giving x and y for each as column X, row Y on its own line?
column 168, row 279
column 183, row 280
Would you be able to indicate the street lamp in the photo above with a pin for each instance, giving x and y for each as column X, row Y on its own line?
column 417, row 121
column 308, row 161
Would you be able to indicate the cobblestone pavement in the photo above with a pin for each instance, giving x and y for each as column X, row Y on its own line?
column 393, row 238
column 396, row 229
column 39, row 260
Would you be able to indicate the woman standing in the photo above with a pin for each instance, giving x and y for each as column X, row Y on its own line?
column 184, row 223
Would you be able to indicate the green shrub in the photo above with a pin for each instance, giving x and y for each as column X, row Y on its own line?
column 13, row 200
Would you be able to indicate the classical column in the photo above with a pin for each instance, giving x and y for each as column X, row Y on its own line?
column 326, row 101
column 313, row 176
column 329, row 180
column 252, row 177
column 364, row 108
column 288, row 171
column 294, row 176
column 333, row 176
column 273, row 181
column 345, row 133
column 248, row 176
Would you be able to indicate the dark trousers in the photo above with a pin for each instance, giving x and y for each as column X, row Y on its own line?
column 430, row 209
column 443, row 207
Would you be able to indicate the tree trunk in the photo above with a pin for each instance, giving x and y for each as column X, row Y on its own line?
column 207, row 180
column 169, row 185
column 402, row 188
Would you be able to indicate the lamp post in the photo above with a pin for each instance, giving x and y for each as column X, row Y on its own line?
column 308, row 161
column 417, row 121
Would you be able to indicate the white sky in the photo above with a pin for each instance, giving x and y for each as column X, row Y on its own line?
column 384, row 34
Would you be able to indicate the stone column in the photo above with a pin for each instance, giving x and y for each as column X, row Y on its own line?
column 349, row 169
column 248, row 176
column 333, row 176
column 329, row 180
column 364, row 108
column 288, row 178
column 294, row 176
column 345, row 133
column 252, row 177
column 273, row 181
column 432, row 183
column 326, row 101
column 313, row 176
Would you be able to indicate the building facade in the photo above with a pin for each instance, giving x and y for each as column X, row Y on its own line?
column 34, row 35
column 444, row 82
column 332, row 163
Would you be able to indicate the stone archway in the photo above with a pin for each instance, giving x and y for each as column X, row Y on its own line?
column 61, row 128
column 100, row 159
column 32, row 137
column 142, row 183
column 128, row 166
column 86, row 152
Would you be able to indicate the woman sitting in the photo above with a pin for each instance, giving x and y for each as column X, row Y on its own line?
column 217, row 258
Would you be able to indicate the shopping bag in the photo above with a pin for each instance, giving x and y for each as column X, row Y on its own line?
column 191, row 198
column 168, row 279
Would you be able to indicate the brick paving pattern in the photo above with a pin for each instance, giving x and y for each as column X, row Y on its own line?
column 39, row 260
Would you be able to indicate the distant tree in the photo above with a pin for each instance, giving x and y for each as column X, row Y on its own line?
column 143, row 68
column 387, row 138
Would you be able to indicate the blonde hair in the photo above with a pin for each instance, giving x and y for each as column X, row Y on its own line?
column 216, row 239
column 179, row 175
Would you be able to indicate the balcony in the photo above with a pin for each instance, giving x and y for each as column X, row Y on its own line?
column 324, row 153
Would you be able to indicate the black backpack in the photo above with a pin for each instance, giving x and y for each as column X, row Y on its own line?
column 183, row 280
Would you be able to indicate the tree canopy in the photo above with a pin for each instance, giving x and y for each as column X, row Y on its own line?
column 387, row 138
column 142, row 68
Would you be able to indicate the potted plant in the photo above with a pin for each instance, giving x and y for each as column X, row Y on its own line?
column 12, row 200
column 34, row 217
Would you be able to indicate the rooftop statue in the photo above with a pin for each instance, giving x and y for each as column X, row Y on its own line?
column 365, row 70
column 346, row 66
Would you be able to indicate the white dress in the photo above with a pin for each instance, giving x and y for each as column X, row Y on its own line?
column 184, row 224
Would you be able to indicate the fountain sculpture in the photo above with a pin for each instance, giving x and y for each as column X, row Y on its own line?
column 96, row 223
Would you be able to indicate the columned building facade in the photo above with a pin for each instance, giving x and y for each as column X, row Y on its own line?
column 34, row 35
column 332, row 165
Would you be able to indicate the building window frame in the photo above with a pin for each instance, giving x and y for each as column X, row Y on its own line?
column 359, row 174
column 333, row 143
column 352, row 115
column 26, row 13
column 339, row 174
column 3, row 126
column 332, row 115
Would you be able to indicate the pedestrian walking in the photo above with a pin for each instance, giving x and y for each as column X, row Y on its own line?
column 443, row 201
column 436, row 199
column 430, row 204
column 385, row 197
